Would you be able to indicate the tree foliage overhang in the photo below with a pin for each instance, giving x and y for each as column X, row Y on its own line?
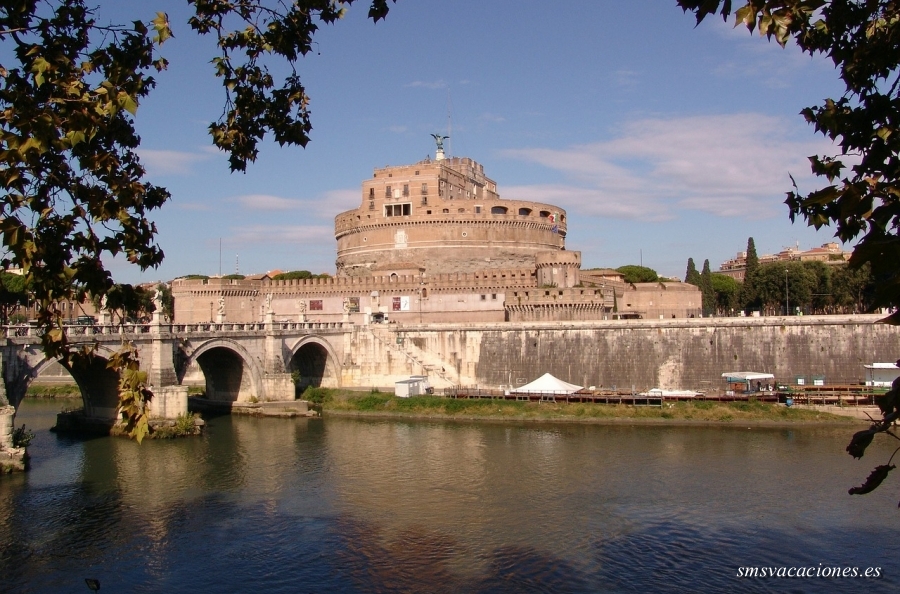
column 72, row 188
column 862, row 201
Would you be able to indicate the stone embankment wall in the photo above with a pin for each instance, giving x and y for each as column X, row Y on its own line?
column 684, row 353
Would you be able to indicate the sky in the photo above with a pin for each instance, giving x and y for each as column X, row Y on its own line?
column 663, row 141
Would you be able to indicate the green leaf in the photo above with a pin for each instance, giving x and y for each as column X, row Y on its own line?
column 161, row 26
column 126, row 102
column 39, row 67
column 74, row 137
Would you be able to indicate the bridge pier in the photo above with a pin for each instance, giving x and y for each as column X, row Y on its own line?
column 11, row 459
column 169, row 398
column 169, row 402
column 7, row 419
column 278, row 387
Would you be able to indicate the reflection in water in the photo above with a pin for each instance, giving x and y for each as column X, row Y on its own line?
column 286, row 505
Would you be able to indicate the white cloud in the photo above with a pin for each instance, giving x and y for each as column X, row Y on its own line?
column 589, row 201
column 267, row 202
column 627, row 79
column 191, row 206
column 281, row 234
column 334, row 202
column 436, row 84
column 490, row 117
column 328, row 204
column 163, row 162
column 727, row 165
column 775, row 67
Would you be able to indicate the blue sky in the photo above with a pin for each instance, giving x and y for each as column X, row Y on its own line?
column 661, row 140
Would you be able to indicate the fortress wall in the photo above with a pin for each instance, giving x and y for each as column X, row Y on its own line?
column 690, row 354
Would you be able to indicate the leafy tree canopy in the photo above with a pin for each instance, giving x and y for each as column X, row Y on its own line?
column 862, row 201
column 726, row 291
column 72, row 188
column 298, row 275
column 13, row 293
column 638, row 274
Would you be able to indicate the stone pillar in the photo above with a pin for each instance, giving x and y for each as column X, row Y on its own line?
column 4, row 399
column 162, row 367
column 276, row 384
column 169, row 402
column 278, row 387
column 7, row 418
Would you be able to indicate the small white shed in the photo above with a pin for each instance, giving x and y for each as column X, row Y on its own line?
column 416, row 385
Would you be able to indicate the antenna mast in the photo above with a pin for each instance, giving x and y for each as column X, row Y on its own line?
column 449, row 122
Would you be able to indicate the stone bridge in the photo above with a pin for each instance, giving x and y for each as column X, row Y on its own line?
column 240, row 362
column 245, row 361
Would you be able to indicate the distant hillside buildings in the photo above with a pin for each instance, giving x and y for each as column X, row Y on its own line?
column 830, row 253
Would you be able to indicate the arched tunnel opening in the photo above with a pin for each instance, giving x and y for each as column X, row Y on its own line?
column 309, row 368
column 223, row 370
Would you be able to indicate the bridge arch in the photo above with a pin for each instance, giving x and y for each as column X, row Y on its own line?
column 98, row 384
column 314, row 359
column 231, row 372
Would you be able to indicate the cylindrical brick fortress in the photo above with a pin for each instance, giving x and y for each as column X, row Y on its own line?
column 442, row 217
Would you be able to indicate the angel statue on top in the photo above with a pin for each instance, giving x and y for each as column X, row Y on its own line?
column 440, row 141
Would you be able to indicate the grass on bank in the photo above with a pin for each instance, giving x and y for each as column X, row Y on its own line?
column 53, row 391
column 380, row 402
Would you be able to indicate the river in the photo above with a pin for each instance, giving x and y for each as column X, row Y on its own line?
column 346, row 505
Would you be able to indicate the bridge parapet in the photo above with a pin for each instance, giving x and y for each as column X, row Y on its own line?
column 123, row 330
column 22, row 331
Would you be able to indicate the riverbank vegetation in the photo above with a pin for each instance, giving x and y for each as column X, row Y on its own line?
column 380, row 403
column 53, row 391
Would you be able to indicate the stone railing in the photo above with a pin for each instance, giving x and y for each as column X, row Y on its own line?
column 28, row 331
column 100, row 330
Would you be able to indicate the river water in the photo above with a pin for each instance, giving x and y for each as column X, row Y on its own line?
column 346, row 505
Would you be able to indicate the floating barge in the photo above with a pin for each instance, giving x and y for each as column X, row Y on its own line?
column 829, row 395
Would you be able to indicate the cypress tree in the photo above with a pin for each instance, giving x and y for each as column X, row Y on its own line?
column 706, row 288
column 692, row 277
column 749, row 293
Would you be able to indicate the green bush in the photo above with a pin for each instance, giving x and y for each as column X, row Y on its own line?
column 372, row 402
column 316, row 395
column 21, row 437
column 184, row 424
column 184, row 427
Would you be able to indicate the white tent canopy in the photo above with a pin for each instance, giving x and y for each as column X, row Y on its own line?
column 547, row 384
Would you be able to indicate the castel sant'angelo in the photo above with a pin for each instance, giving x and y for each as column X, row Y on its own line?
column 434, row 242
